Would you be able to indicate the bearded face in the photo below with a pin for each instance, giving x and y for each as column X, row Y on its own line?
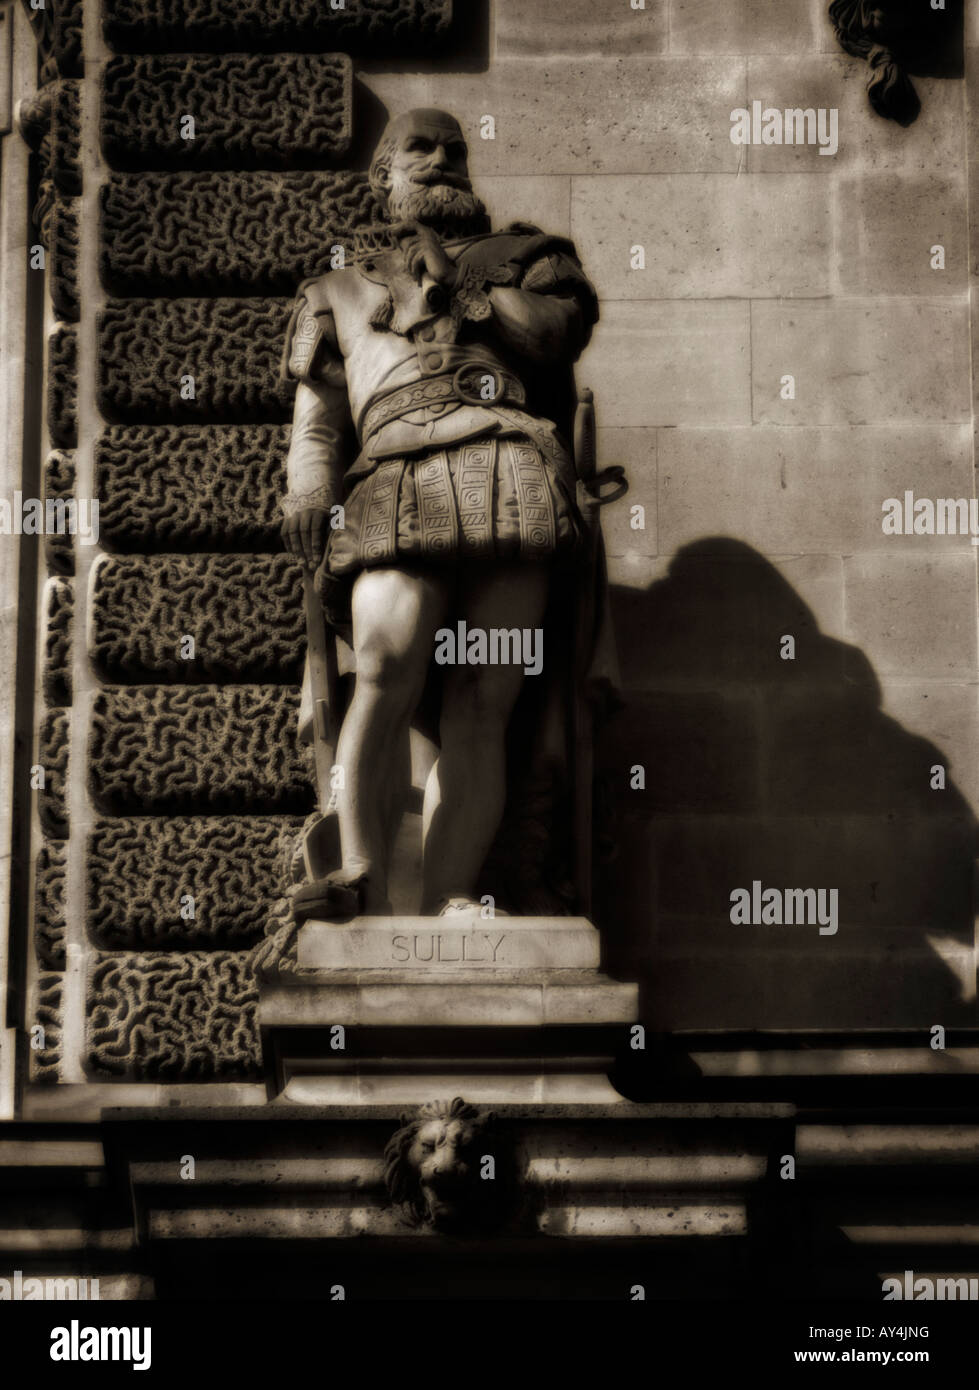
column 422, row 172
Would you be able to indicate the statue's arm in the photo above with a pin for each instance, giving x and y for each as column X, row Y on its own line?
column 541, row 327
column 314, row 467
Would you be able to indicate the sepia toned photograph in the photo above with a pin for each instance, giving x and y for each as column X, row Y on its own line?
column 490, row 711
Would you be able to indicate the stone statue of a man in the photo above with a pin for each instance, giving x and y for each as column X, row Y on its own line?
column 438, row 347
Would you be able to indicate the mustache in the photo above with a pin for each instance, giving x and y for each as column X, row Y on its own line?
column 437, row 177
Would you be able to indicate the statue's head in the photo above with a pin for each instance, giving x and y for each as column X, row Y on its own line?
column 432, row 1168
column 420, row 172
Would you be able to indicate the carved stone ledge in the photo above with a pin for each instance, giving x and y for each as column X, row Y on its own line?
column 181, row 488
column 230, row 347
column 49, row 904
column 256, row 227
column 180, row 1016
column 244, row 613
column 181, row 750
column 59, row 599
column 375, row 27
column 138, row 871
column 63, row 387
column 53, row 757
column 59, row 483
column 255, row 110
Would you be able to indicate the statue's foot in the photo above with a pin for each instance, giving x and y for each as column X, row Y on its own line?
column 331, row 899
column 460, row 905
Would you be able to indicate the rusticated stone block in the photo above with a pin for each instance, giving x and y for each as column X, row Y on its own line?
column 53, row 758
column 50, row 123
column 139, row 871
column 173, row 750
column 362, row 26
column 243, row 612
column 56, row 669
column 49, row 904
column 257, row 110
column 206, row 487
column 59, row 484
column 46, row 1060
column 181, row 1016
column 221, row 233
column 58, row 31
column 231, row 348
column 63, row 387
column 64, row 259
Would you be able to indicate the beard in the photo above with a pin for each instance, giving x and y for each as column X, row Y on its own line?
column 448, row 210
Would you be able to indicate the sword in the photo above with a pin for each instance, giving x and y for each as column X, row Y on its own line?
column 321, row 842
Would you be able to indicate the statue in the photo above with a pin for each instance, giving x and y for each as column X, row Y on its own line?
column 432, row 494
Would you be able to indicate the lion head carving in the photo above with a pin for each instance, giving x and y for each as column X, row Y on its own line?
column 436, row 1169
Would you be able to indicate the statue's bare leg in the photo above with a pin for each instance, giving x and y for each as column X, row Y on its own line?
column 466, row 789
column 395, row 616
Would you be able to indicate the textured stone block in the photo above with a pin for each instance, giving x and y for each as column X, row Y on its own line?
column 572, row 27
column 742, row 26
column 224, row 233
column 183, row 488
column 64, row 259
column 888, row 229
column 668, row 114
column 56, row 662
column 59, row 483
column 914, row 615
column 544, row 200
column 63, row 388
column 49, row 904
column 370, row 27
column 671, row 363
column 50, row 123
column 52, row 753
column 58, row 31
column 182, row 1016
column 45, row 1062
column 804, row 489
column 936, row 140
column 861, row 361
column 138, row 871
column 705, row 235
column 173, row 750
column 244, row 613
column 231, row 347
column 260, row 110
column 948, row 717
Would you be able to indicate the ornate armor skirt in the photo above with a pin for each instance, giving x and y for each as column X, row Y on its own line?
column 489, row 497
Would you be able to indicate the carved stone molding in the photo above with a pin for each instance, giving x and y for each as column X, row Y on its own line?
column 59, row 484
column 56, row 661
column 58, row 31
column 53, row 757
column 49, row 904
column 181, row 488
column 63, row 387
column 45, row 1062
column 261, row 110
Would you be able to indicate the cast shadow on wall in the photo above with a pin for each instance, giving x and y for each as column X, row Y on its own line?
column 786, row 772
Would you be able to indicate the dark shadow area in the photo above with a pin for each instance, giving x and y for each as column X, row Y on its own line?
column 786, row 772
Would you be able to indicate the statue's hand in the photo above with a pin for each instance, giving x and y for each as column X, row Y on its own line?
column 304, row 534
column 424, row 255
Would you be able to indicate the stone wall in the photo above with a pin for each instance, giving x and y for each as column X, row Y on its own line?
column 762, row 515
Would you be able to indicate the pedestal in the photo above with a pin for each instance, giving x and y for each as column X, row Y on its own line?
column 410, row 1009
